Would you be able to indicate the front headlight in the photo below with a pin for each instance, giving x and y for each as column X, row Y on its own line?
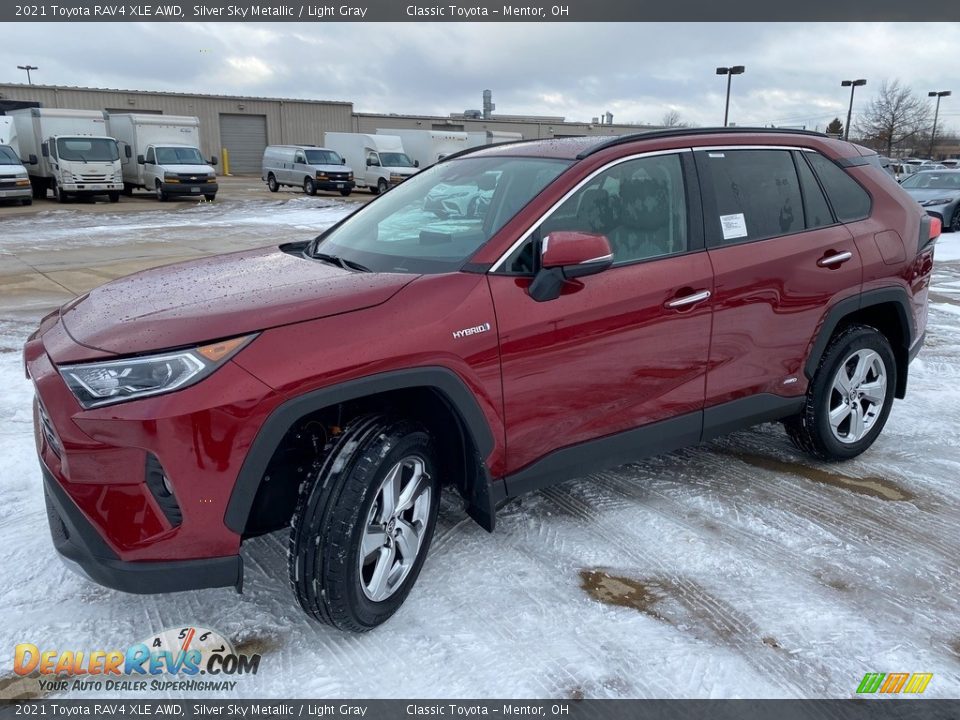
column 171, row 179
column 321, row 176
column 938, row 201
column 104, row 383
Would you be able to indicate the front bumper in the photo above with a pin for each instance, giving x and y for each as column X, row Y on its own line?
column 16, row 193
column 85, row 552
column 336, row 184
column 190, row 188
column 75, row 187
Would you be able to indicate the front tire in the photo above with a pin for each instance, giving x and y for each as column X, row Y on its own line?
column 26, row 201
column 955, row 221
column 272, row 184
column 362, row 527
column 113, row 197
column 59, row 195
column 345, row 192
column 849, row 398
column 309, row 186
column 161, row 195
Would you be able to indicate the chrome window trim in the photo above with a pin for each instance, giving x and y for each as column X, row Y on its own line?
column 613, row 163
column 715, row 148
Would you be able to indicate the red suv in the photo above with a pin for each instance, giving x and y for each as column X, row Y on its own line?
column 509, row 318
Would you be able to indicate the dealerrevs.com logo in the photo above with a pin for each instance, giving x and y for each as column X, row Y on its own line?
column 171, row 660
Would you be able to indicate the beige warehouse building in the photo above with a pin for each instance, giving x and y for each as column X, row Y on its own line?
column 244, row 126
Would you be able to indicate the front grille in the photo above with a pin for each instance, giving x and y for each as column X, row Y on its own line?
column 191, row 178
column 46, row 426
column 339, row 177
column 91, row 178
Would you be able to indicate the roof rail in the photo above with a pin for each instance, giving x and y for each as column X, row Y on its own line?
column 677, row 132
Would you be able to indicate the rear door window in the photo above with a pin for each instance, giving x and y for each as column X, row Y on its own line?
column 816, row 211
column 756, row 194
column 850, row 201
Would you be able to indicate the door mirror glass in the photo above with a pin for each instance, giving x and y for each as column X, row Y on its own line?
column 32, row 160
column 213, row 160
column 45, row 149
column 127, row 151
column 141, row 160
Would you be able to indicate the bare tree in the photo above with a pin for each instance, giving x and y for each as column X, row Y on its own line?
column 894, row 117
column 671, row 119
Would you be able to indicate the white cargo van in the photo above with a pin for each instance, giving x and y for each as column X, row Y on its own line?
column 14, row 181
column 378, row 161
column 426, row 147
column 306, row 166
column 161, row 153
column 69, row 152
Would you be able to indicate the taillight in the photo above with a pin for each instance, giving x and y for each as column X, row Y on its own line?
column 936, row 227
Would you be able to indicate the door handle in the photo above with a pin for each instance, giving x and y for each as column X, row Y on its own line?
column 696, row 297
column 835, row 259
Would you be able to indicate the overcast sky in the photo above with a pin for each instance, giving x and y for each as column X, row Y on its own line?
column 636, row 71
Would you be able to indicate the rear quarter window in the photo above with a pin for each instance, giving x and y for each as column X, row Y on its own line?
column 850, row 201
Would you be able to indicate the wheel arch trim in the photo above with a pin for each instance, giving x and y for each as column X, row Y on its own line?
column 449, row 384
column 895, row 295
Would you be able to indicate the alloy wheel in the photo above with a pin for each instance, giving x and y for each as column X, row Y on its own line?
column 857, row 396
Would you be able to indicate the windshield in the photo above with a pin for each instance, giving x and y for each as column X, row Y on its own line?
column 323, row 157
column 391, row 159
column 8, row 156
column 81, row 149
column 438, row 218
column 933, row 181
column 179, row 156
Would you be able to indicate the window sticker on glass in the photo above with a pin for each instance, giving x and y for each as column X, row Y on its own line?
column 734, row 226
column 716, row 155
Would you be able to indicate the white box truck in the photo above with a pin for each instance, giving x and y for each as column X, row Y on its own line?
column 378, row 161
column 491, row 137
column 69, row 152
column 14, row 181
column 161, row 153
column 426, row 147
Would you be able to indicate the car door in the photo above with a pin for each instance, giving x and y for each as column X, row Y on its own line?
column 621, row 349
column 780, row 257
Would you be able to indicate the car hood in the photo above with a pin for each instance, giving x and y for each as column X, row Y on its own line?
column 924, row 194
column 220, row 297
column 188, row 169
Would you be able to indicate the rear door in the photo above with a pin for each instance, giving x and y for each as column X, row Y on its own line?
column 780, row 258
column 620, row 349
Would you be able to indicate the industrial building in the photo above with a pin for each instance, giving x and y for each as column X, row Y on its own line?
column 244, row 126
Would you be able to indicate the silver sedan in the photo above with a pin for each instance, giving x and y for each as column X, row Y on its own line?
column 938, row 191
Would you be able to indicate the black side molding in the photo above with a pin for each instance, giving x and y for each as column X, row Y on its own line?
column 445, row 381
column 744, row 412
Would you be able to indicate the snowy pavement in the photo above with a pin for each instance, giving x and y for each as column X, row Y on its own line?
column 739, row 568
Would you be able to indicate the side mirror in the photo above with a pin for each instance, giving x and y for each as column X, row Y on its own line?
column 32, row 160
column 45, row 149
column 343, row 161
column 127, row 151
column 370, row 163
column 416, row 163
column 213, row 160
column 567, row 255
column 140, row 160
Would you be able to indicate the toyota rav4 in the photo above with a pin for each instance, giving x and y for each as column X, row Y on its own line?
column 577, row 304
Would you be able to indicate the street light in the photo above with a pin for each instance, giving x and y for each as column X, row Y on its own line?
column 936, row 113
column 853, row 85
column 729, row 72
column 28, row 68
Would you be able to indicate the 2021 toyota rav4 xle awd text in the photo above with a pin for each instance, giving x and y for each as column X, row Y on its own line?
column 577, row 304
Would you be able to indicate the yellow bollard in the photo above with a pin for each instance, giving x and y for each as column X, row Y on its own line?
column 225, row 157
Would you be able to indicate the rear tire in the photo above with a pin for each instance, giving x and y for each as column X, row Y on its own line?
column 849, row 398
column 363, row 525
column 309, row 186
column 114, row 197
column 127, row 189
column 272, row 184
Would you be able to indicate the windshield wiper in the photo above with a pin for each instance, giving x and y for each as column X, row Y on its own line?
column 339, row 261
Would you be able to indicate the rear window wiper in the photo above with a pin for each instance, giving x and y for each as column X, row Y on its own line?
column 341, row 262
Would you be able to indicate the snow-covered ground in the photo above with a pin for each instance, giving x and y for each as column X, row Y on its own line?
column 740, row 568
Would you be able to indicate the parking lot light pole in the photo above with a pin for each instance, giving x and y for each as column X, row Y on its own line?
column 936, row 114
column 853, row 85
column 28, row 68
column 729, row 72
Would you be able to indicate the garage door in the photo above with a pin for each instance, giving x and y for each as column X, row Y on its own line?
column 245, row 138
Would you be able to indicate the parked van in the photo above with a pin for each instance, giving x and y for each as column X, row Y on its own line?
column 379, row 160
column 312, row 168
column 161, row 153
column 14, row 181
